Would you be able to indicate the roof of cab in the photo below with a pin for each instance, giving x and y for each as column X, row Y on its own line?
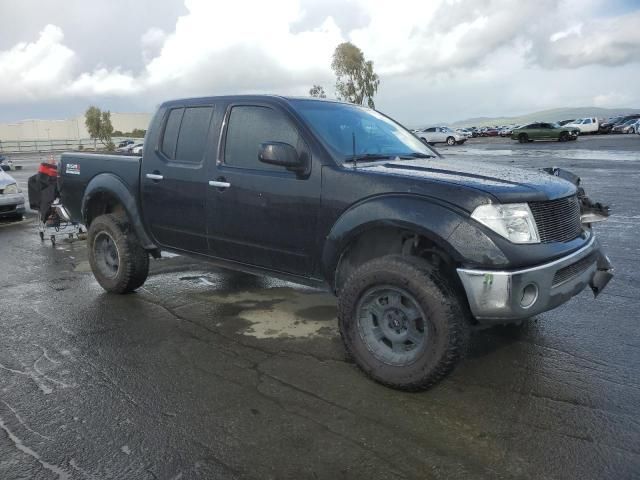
column 242, row 98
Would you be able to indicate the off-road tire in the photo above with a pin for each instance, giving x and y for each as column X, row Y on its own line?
column 133, row 267
column 523, row 138
column 447, row 320
column 451, row 141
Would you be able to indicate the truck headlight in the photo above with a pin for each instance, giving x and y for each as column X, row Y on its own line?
column 11, row 189
column 514, row 221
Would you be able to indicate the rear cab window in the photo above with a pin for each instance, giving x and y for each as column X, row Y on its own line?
column 186, row 129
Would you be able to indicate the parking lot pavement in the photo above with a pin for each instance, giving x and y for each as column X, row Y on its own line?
column 205, row 373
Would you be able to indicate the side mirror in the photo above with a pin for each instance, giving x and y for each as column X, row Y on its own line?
column 282, row 154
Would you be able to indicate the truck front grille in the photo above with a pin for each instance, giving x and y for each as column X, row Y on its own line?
column 557, row 220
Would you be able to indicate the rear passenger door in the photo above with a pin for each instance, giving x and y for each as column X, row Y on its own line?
column 174, row 181
column 260, row 214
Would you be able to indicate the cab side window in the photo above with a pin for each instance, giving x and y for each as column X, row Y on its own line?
column 249, row 126
column 170, row 135
column 185, row 134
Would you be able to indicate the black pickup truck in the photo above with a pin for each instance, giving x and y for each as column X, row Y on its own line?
column 418, row 249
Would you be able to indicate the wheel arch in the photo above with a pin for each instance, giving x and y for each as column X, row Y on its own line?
column 401, row 225
column 107, row 193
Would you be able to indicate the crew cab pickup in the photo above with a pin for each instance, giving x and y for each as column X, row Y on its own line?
column 417, row 248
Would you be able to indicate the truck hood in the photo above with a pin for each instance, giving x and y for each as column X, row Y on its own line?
column 505, row 184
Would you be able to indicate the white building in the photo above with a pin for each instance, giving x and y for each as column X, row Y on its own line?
column 71, row 129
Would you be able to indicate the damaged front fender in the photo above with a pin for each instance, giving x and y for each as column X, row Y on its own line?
column 590, row 211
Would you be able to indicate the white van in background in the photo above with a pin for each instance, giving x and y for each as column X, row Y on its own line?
column 585, row 125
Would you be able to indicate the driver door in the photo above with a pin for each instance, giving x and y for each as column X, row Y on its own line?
column 259, row 214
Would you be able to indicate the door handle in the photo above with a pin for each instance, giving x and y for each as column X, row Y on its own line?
column 219, row 184
column 154, row 176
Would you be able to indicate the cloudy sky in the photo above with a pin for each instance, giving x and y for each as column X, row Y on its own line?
column 438, row 60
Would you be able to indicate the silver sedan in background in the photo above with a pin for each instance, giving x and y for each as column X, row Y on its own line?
column 11, row 197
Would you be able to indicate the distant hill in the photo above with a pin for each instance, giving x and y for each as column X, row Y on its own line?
column 554, row 115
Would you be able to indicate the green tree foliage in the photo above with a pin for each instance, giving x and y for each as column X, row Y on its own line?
column 356, row 82
column 317, row 91
column 135, row 133
column 99, row 126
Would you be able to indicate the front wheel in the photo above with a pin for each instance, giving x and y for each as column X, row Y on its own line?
column 117, row 259
column 402, row 322
column 563, row 137
column 451, row 141
column 523, row 138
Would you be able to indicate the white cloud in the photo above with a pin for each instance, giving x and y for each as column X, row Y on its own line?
column 422, row 49
column 609, row 41
column 152, row 42
column 573, row 30
column 37, row 69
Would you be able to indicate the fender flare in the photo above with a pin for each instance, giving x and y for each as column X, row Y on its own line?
column 114, row 186
column 443, row 224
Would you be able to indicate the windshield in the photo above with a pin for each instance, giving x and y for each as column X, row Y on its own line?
column 375, row 135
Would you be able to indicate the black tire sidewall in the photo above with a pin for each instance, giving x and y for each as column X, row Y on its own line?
column 446, row 320
column 133, row 261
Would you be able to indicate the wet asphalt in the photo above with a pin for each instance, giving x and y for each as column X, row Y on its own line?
column 205, row 373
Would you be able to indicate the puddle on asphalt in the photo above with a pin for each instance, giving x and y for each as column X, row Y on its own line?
column 282, row 312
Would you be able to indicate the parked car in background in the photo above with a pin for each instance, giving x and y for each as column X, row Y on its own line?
column 137, row 148
column 507, row 131
column 5, row 163
column 490, row 132
column 465, row 132
column 585, row 125
column 11, row 197
column 566, row 122
column 608, row 125
column 544, row 131
column 629, row 126
column 441, row 135
column 123, row 144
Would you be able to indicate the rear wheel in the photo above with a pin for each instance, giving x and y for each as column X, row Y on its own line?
column 523, row 138
column 117, row 259
column 402, row 322
column 451, row 141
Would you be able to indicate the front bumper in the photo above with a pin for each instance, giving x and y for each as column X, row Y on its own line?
column 12, row 205
column 514, row 295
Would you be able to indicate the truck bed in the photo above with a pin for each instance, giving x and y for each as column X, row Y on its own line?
column 78, row 169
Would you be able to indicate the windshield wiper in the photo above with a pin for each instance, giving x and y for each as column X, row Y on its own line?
column 418, row 155
column 369, row 156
